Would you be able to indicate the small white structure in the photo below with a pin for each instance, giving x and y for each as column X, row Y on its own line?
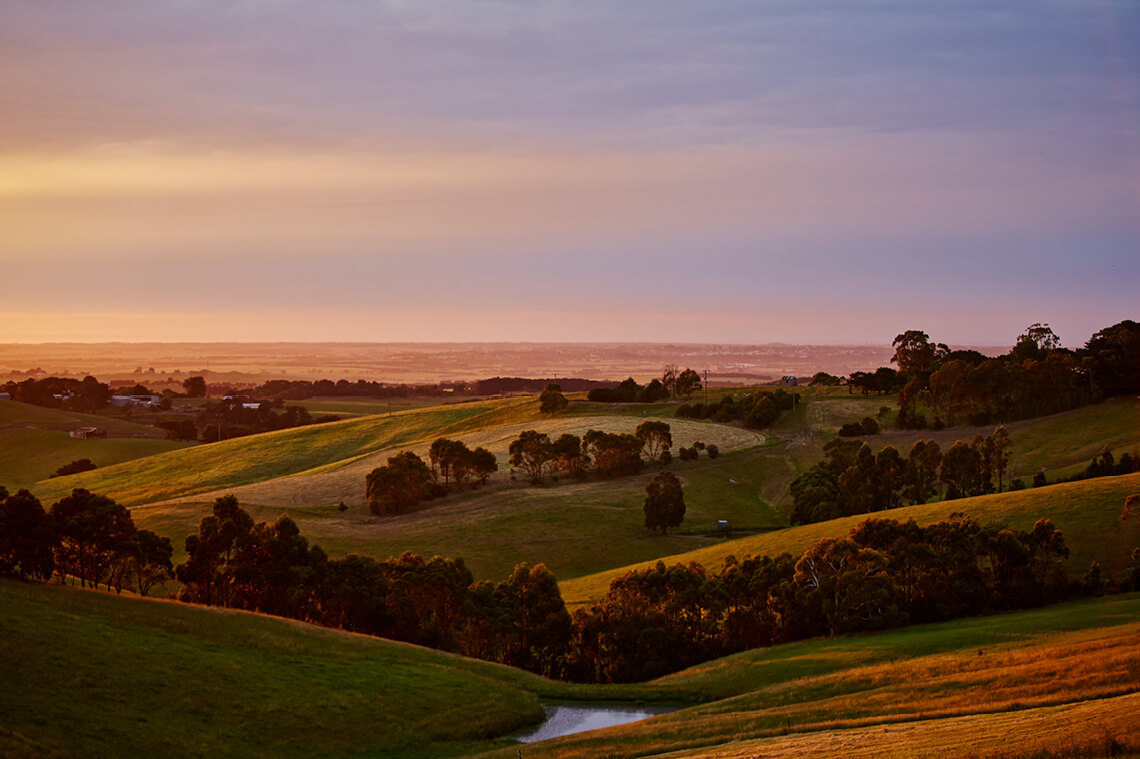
column 140, row 401
column 87, row 433
column 5, row 396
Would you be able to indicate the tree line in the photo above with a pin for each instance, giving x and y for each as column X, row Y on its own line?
column 1035, row 378
column 88, row 537
column 853, row 479
column 884, row 573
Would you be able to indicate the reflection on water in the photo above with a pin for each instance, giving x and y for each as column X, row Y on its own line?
column 567, row 720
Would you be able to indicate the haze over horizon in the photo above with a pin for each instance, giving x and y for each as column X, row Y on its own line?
column 557, row 171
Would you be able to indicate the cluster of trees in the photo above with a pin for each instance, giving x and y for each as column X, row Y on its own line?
column 232, row 417
column 1036, row 377
column 88, row 394
column 83, row 535
column 407, row 479
column 298, row 390
column 271, row 568
column 629, row 391
column 674, row 382
column 609, row 454
column 853, row 479
column 756, row 410
column 693, row 452
column 1105, row 464
column 883, row 574
column 866, row 426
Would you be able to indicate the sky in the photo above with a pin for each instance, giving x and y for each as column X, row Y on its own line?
column 723, row 171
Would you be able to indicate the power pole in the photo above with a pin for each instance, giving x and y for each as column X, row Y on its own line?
column 706, row 388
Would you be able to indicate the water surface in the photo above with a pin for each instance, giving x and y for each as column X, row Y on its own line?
column 567, row 720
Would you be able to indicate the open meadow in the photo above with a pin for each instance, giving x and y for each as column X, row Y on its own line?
column 160, row 678
column 1061, row 679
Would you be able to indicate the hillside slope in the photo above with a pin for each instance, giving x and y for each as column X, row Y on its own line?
column 1087, row 512
column 34, row 442
column 101, row 675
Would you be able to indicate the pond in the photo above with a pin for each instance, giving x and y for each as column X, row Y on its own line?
column 567, row 720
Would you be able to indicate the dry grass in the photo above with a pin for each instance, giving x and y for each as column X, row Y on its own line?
column 1086, row 724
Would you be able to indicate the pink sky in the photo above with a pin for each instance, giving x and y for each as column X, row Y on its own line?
column 720, row 172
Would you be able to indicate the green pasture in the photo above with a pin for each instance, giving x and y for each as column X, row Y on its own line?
column 102, row 675
column 29, row 456
column 34, row 442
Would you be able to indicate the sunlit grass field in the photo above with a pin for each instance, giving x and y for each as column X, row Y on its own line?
column 116, row 676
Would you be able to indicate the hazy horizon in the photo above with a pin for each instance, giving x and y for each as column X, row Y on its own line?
column 505, row 171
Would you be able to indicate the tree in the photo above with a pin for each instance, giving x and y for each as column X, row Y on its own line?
column 205, row 575
column 688, row 382
column 613, row 454
column 568, row 455
column 483, row 464
column 664, row 502
column 669, row 379
column 914, row 353
column 27, row 536
column 532, row 453
column 149, row 558
column 1035, row 343
column 400, row 484
column 656, row 439
column 75, row 467
column 93, row 531
column 552, row 400
column 195, row 387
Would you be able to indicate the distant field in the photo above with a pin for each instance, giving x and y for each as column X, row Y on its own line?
column 101, row 675
column 34, row 442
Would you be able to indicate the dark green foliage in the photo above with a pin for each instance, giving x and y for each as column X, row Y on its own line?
column 613, row 454
column 688, row 382
column 713, row 450
column 94, row 534
column 823, row 379
column 883, row 574
column 27, row 536
column 552, row 400
column 1113, row 358
column 179, row 429
column 87, row 394
column 853, row 480
column 400, row 484
column 1039, row 480
column 664, row 502
column 75, row 467
column 656, row 439
column 483, row 464
column 867, row 426
column 532, row 453
column 195, row 387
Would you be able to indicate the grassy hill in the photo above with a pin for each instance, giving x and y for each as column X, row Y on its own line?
column 34, row 442
column 1087, row 512
column 575, row 528
column 114, row 676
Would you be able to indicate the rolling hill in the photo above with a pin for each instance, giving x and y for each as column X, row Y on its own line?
column 116, row 676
